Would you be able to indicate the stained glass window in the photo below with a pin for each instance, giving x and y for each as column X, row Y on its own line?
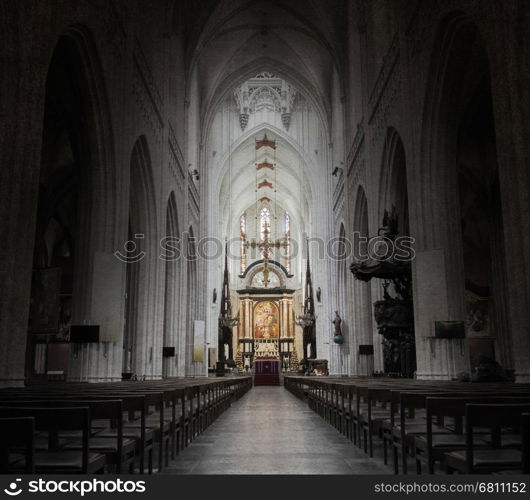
column 287, row 261
column 243, row 239
column 265, row 223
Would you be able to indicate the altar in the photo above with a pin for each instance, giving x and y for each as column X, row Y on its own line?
column 267, row 371
column 266, row 330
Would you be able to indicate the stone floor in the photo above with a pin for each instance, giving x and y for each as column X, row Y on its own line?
column 269, row 431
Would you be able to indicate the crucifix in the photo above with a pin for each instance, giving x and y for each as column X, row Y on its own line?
column 266, row 246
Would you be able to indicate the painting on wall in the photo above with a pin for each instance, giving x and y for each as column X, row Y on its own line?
column 266, row 321
column 477, row 315
column 45, row 300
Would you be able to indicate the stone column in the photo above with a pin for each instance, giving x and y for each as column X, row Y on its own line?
column 20, row 138
column 510, row 66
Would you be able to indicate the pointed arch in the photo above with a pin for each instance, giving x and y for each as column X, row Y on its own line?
column 77, row 180
column 172, row 286
column 363, row 330
column 139, row 338
column 459, row 74
column 191, row 301
column 393, row 180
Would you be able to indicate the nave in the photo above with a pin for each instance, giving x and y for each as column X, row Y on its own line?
column 209, row 208
column 269, row 431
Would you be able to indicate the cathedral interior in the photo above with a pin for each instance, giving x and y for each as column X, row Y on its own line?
column 223, row 213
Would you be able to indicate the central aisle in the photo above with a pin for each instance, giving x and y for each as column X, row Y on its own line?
column 269, row 431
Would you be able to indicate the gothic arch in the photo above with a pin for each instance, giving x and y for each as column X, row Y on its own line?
column 459, row 74
column 393, row 180
column 343, row 305
column 458, row 63
column 172, row 286
column 191, row 300
column 77, row 178
column 100, row 142
column 363, row 331
column 139, row 338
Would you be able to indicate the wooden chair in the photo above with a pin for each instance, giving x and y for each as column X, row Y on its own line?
column 433, row 448
column 53, row 420
column 17, row 445
column 119, row 451
column 525, row 440
column 377, row 411
column 473, row 460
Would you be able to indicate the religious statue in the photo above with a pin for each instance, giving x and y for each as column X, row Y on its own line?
column 337, row 338
column 214, row 295
column 319, row 294
column 390, row 224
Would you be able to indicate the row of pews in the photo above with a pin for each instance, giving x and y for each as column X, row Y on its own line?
column 455, row 427
column 125, row 427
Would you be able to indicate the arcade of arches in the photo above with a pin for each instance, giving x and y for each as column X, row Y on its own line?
column 186, row 186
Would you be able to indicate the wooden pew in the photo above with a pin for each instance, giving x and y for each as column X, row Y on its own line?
column 119, row 451
column 134, row 410
column 431, row 447
column 169, row 413
column 17, row 445
column 480, row 460
column 361, row 407
column 525, row 440
column 52, row 421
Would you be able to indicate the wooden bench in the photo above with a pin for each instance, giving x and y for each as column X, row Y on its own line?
column 494, row 458
column 52, row 421
column 433, row 448
column 17, row 445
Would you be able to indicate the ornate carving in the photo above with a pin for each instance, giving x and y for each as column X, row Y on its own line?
column 265, row 183
column 243, row 120
column 265, row 142
column 357, row 149
column 265, row 164
column 265, row 92
column 193, row 196
column 286, row 120
column 393, row 315
column 175, row 157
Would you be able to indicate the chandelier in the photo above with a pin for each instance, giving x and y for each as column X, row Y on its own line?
column 305, row 320
column 228, row 321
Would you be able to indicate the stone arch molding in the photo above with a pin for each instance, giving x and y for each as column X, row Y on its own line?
column 393, row 174
column 101, row 142
column 272, row 268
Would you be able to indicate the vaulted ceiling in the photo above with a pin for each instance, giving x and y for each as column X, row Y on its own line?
column 228, row 40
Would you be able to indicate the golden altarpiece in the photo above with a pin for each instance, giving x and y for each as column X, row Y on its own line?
column 267, row 328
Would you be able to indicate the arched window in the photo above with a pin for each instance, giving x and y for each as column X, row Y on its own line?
column 243, row 240
column 243, row 224
column 265, row 223
column 287, row 227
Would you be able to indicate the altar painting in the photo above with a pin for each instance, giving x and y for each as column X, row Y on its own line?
column 266, row 324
